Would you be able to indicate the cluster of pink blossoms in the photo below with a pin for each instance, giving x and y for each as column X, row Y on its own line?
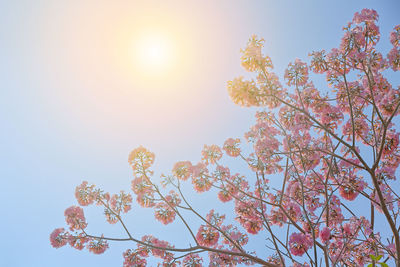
column 207, row 236
column 76, row 220
column 329, row 149
column 231, row 147
column 211, row 154
column 299, row 243
column 58, row 238
column 297, row 73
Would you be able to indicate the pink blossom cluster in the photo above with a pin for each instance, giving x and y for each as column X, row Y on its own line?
column 85, row 194
column 97, row 246
column 150, row 245
column 192, row 260
column 252, row 58
column 299, row 243
column 59, row 238
column 248, row 216
column 297, row 73
column 141, row 159
column 231, row 147
column 207, row 236
column 75, row 218
column 200, row 178
column 133, row 259
column 182, row 170
column 328, row 151
column 211, row 154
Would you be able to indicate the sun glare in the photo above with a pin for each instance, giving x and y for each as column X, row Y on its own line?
column 154, row 54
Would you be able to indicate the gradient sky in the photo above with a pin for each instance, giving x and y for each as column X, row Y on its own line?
column 73, row 104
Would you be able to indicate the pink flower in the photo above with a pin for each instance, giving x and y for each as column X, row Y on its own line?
column 234, row 234
column 215, row 218
column 163, row 254
column 348, row 229
column 207, row 236
column 97, row 246
column 182, row 170
column 299, row 243
column 366, row 15
column 248, row 216
column 141, row 185
column 146, row 200
column 387, row 198
column 351, row 186
column 296, row 73
column 275, row 259
column 133, row 259
column 84, row 194
column 252, row 58
column 224, row 196
column 244, row 93
column 78, row 241
column 231, row 147
column 361, row 129
column 391, row 142
column 293, row 210
column 277, row 217
column 164, row 213
column 253, row 227
column 192, row 260
column 211, row 154
column 325, row 234
column 392, row 249
column 395, row 36
column 173, row 198
column 200, row 178
column 120, row 202
column 75, row 218
column 58, row 238
column 140, row 159
column 318, row 63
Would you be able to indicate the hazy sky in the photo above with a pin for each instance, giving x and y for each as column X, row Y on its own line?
column 74, row 102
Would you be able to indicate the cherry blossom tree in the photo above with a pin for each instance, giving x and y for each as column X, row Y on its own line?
column 329, row 150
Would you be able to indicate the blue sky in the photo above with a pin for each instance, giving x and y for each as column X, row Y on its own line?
column 72, row 108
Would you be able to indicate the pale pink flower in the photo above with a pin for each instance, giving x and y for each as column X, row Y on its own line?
column 200, row 179
column 58, row 238
column 211, row 154
column 192, row 260
column 231, row 147
column 181, row 170
column 84, row 194
column 78, row 241
column 75, row 218
column 97, row 246
column 207, row 236
column 132, row 259
column 164, row 214
column 140, row 159
column 141, row 185
column 318, row 63
column 297, row 73
column 395, row 36
column 224, row 196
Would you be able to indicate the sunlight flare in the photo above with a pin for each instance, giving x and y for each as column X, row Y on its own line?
column 154, row 53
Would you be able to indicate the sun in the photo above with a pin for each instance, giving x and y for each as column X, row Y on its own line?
column 154, row 54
